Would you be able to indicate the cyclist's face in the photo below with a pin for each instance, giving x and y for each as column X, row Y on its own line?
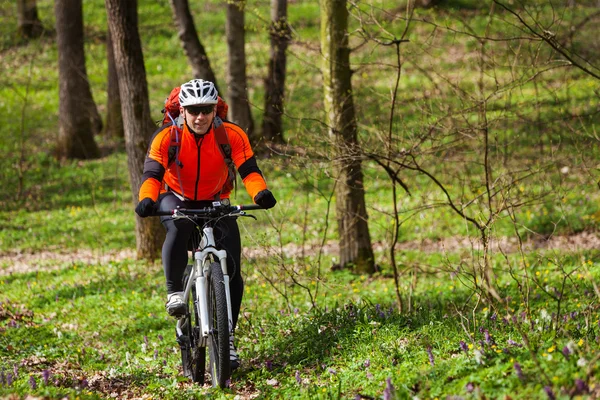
column 199, row 118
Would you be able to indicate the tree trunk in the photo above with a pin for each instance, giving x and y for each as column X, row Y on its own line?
column 239, row 106
column 129, row 60
column 355, row 241
column 275, row 82
column 114, row 116
column 192, row 46
column 28, row 22
column 76, row 130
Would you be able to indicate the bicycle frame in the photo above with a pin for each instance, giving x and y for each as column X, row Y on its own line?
column 198, row 277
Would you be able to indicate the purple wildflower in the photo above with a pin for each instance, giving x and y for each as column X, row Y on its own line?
column 146, row 340
column 369, row 375
column 155, row 354
column 32, row 382
column 15, row 371
column 573, row 314
column 367, row 363
column 298, row 379
column 504, row 321
column 519, row 371
column 160, row 337
column 513, row 343
column 164, row 363
column 269, row 364
column 332, row 371
column 296, row 310
column 9, row 379
column 581, row 387
column 549, row 392
column 430, row 354
column 84, row 383
column 262, row 330
column 488, row 338
column 464, row 347
column 470, row 387
column 45, row 376
column 388, row 393
column 566, row 352
column 228, row 383
column 494, row 317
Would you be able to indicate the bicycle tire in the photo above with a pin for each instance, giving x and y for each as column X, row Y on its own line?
column 218, row 321
column 193, row 356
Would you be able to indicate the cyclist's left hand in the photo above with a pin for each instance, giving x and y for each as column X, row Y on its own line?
column 265, row 199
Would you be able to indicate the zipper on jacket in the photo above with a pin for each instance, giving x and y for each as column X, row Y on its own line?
column 198, row 145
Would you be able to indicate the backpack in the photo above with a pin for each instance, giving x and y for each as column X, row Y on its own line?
column 171, row 116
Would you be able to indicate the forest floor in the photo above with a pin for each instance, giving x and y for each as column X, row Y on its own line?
column 25, row 262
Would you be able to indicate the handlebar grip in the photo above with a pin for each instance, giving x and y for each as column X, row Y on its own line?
column 159, row 213
column 251, row 207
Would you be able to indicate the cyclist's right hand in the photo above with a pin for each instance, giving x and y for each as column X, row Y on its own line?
column 146, row 207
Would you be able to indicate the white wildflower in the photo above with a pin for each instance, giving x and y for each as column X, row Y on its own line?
column 582, row 362
column 478, row 357
column 545, row 316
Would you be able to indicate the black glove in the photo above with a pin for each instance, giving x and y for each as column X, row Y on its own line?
column 265, row 199
column 145, row 208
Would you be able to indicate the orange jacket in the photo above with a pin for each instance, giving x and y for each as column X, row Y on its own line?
column 201, row 171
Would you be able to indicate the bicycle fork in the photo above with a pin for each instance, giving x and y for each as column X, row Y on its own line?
column 202, row 267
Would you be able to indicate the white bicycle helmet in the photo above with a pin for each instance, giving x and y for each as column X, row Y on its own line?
column 198, row 92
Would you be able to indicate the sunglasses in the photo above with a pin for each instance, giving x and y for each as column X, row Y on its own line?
column 195, row 110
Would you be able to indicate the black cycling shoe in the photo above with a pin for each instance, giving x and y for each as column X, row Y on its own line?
column 234, row 359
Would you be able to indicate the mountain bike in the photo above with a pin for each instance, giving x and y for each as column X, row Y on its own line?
column 208, row 320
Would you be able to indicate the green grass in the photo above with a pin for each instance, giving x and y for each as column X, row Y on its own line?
column 99, row 327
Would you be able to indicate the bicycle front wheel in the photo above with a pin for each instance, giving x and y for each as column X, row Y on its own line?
column 193, row 355
column 218, row 327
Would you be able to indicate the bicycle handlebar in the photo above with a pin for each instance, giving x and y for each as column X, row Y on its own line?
column 219, row 210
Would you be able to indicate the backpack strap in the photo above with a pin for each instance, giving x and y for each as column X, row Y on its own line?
column 174, row 146
column 223, row 142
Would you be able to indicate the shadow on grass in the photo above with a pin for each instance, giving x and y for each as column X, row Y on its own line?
column 317, row 341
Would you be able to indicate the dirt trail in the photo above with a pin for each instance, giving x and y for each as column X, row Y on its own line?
column 11, row 263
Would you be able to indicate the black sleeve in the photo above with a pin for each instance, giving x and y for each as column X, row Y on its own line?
column 249, row 166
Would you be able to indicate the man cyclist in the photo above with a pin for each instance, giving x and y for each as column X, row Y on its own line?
column 197, row 177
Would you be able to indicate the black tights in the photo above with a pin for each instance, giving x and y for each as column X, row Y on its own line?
column 175, row 248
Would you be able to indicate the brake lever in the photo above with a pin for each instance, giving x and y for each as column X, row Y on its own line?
column 243, row 214
column 178, row 215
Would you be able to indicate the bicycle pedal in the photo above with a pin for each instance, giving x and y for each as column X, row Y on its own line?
column 183, row 340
